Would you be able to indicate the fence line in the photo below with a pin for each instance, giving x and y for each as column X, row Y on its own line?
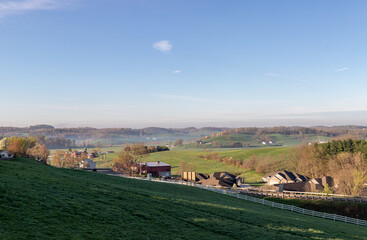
column 282, row 206
column 306, row 195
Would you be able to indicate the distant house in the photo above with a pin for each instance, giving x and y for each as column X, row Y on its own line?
column 156, row 169
column 313, row 185
column 284, row 177
column 108, row 152
column 5, row 154
column 87, row 163
column 77, row 154
column 268, row 176
column 91, row 155
column 219, row 179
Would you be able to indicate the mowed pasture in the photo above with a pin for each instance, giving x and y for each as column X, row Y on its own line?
column 195, row 158
column 43, row 202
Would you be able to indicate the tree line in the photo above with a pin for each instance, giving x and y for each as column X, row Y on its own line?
column 131, row 155
column 343, row 160
column 27, row 147
column 322, row 131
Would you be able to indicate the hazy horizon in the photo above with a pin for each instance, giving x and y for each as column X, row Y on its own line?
column 318, row 119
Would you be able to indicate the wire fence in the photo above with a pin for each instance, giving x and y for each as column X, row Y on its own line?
column 282, row 206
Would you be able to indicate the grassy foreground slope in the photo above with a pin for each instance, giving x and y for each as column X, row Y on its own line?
column 42, row 202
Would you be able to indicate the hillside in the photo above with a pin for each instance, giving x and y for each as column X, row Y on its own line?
column 43, row 202
column 60, row 138
column 72, row 137
column 194, row 157
column 248, row 140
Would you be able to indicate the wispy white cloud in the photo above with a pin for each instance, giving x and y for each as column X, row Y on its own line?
column 163, row 46
column 19, row 6
column 283, row 77
column 177, row 72
column 342, row 69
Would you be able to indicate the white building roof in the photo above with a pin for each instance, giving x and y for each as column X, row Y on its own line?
column 156, row 164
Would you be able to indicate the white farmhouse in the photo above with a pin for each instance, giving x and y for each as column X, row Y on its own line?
column 87, row 163
column 5, row 155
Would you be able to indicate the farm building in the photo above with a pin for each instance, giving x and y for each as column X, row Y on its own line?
column 87, row 163
column 219, row 179
column 5, row 154
column 313, row 185
column 156, row 169
column 91, row 155
column 284, row 177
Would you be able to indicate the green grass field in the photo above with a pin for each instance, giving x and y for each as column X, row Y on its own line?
column 209, row 166
column 191, row 155
column 247, row 139
column 43, row 202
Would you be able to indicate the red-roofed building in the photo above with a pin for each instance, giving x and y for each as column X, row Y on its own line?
column 157, row 169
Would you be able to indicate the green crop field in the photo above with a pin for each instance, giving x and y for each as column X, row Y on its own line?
column 43, row 202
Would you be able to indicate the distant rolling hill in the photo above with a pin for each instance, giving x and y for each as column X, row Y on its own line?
column 247, row 140
column 43, row 202
column 226, row 137
column 106, row 136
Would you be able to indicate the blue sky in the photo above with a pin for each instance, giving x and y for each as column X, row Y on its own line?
column 177, row 63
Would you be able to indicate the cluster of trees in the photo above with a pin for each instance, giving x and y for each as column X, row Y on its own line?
column 128, row 158
column 25, row 147
column 334, row 147
column 141, row 149
column 56, row 143
column 67, row 159
column 342, row 160
column 218, row 144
